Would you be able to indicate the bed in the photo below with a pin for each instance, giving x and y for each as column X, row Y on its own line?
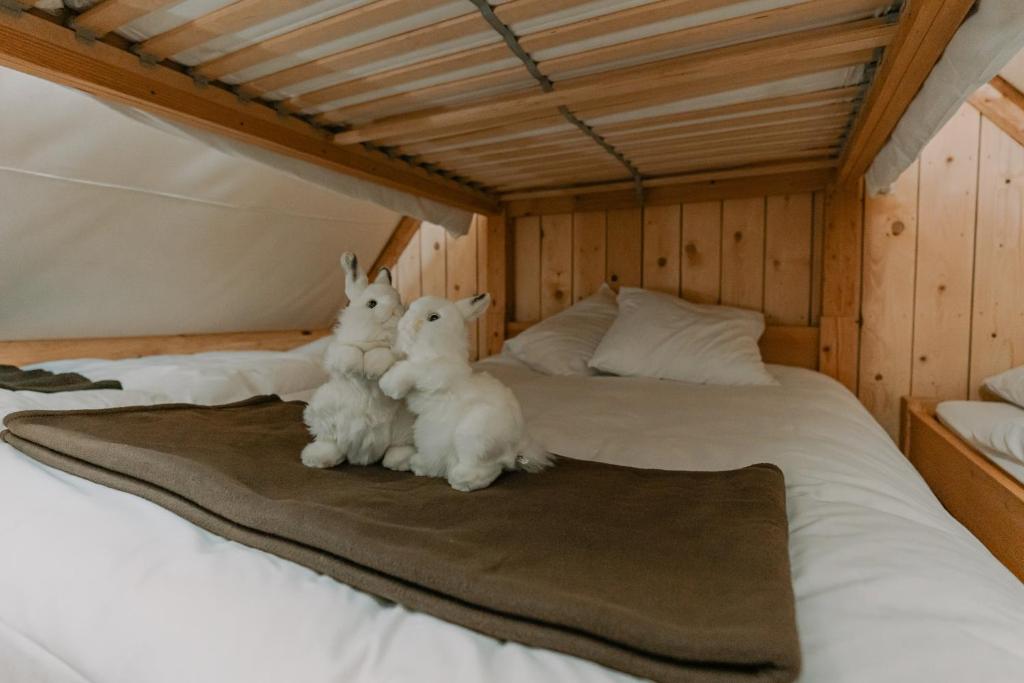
column 98, row 585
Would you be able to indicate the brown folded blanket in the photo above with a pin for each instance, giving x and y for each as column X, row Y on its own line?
column 16, row 379
column 675, row 576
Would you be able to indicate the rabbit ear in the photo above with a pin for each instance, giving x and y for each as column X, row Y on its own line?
column 383, row 277
column 355, row 278
column 473, row 307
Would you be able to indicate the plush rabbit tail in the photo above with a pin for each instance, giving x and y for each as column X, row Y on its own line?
column 531, row 456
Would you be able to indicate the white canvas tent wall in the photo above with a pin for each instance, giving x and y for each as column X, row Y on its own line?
column 111, row 227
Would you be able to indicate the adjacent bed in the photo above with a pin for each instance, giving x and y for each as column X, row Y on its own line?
column 98, row 585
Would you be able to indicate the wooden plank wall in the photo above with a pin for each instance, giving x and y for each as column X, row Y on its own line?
column 437, row 264
column 761, row 253
column 943, row 273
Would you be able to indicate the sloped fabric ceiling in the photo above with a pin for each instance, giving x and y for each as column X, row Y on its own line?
column 984, row 44
column 110, row 227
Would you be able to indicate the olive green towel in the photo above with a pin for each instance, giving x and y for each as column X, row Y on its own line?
column 16, row 379
column 675, row 576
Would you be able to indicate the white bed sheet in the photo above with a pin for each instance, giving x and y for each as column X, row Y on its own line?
column 994, row 428
column 99, row 585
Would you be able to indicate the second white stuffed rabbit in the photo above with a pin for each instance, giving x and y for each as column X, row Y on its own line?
column 349, row 417
column 469, row 426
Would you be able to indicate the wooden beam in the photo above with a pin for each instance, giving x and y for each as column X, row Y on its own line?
column 841, row 282
column 104, row 17
column 229, row 19
column 41, row 350
column 750, row 171
column 761, row 55
column 703, row 187
column 39, row 47
column 1001, row 103
column 924, row 30
column 493, row 277
column 396, row 244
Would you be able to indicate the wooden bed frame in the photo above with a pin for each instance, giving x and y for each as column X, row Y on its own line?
column 979, row 493
column 784, row 345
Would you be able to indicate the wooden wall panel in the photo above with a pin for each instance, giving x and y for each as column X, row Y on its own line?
column 787, row 262
column 407, row 271
column 817, row 249
column 555, row 263
column 588, row 261
column 433, row 260
column 743, row 252
column 526, row 273
column 887, row 335
column 625, row 248
column 461, row 276
column 948, row 199
column 661, row 248
column 998, row 320
column 702, row 252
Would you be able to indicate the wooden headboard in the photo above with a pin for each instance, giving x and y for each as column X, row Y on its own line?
column 795, row 345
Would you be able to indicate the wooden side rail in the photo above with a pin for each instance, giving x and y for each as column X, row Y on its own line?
column 37, row 351
column 979, row 493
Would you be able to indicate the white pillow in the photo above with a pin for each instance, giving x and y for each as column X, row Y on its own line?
column 657, row 335
column 564, row 343
column 1008, row 385
column 205, row 378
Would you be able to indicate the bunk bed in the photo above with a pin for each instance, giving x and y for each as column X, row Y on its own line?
column 714, row 149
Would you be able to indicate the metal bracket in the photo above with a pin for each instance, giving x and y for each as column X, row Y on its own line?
column 145, row 58
column 198, row 79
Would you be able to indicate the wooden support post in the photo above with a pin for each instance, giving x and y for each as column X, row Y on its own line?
column 1003, row 105
column 492, row 277
column 841, row 282
column 396, row 244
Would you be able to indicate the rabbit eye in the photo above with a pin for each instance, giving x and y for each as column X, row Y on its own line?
column 372, row 303
column 433, row 316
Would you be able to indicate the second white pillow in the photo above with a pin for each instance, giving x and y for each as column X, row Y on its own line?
column 564, row 343
column 658, row 335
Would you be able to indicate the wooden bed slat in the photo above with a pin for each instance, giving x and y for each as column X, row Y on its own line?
column 105, row 16
column 806, row 46
column 224, row 21
column 352, row 22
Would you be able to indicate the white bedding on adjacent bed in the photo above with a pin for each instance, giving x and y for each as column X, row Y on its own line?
column 994, row 428
column 98, row 585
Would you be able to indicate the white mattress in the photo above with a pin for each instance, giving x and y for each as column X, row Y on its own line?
column 98, row 585
column 994, row 428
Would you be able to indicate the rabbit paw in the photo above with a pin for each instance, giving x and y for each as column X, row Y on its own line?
column 397, row 458
column 377, row 361
column 397, row 382
column 322, row 454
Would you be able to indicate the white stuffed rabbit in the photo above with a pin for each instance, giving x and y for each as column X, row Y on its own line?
column 349, row 417
column 469, row 426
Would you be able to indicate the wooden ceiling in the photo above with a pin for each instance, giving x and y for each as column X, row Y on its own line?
column 504, row 98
